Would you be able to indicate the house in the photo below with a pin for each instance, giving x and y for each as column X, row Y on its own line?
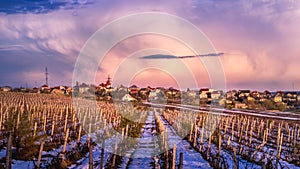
column 298, row 98
column 45, row 89
column 173, row 95
column 144, row 93
column 278, row 96
column 251, row 99
column 192, row 93
column 128, row 98
column 290, row 97
column 228, row 102
column 69, row 90
column 277, row 99
column 104, row 89
column 267, row 94
column 57, row 91
column 156, row 94
column 256, row 95
column 83, row 88
column 6, row 89
column 216, row 95
column 243, row 93
column 134, row 91
column 62, row 88
column 205, row 93
column 231, row 94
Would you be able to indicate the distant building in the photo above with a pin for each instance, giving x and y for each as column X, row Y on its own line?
column 157, row 94
column 105, row 86
column 298, row 98
column 6, row 89
column 243, row 93
column 128, row 98
column 205, row 93
column 267, row 94
column 192, row 93
column 228, row 102
column 290, row 97
column 83, row 88
column 249, row 98
column 134, row 91
column 231, row 94
column 144, row 93
column 278, row 97
column 57, row 91
column 173, row 95
column 69, row 90
column 215, row 95
column 45, row 89
column 256, row 95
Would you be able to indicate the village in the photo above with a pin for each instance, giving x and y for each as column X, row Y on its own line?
column 232, row 99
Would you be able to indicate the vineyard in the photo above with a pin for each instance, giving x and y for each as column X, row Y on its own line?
column 54, row 131
column 240, row 141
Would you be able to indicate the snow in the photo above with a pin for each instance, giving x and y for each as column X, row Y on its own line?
column 191, row 158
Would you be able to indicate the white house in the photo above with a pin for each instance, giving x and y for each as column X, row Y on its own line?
column 128, row 98
column 216, row 95
column 83, row 88
column 6, row 89
column 204, row 93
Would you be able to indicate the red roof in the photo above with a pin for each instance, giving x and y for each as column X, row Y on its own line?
column 204, row 89
column 45, row 85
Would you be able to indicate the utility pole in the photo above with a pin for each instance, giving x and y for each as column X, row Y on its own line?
column 46, row 73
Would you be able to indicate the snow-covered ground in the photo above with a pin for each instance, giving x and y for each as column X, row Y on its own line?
column 18, row 164
column 191, row 158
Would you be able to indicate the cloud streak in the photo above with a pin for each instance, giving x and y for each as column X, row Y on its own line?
column 161, row 56
column 11, row 47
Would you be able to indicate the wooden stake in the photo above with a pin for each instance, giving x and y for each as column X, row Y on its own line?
column 79, row 134
column 9, row 151
column 180, row 160
column 174, row 157
column 35, row 126
column 195, row 135
column 65, row 144
column 191, row 132
column 66, row 121
column 40, row 154
column 234, row 158
column 52, row 129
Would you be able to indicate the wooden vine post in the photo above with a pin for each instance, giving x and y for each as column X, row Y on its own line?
column 40, row 154
column 65, row 144
column 174, row 157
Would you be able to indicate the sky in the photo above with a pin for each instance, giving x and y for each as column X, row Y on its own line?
column 256, row 42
